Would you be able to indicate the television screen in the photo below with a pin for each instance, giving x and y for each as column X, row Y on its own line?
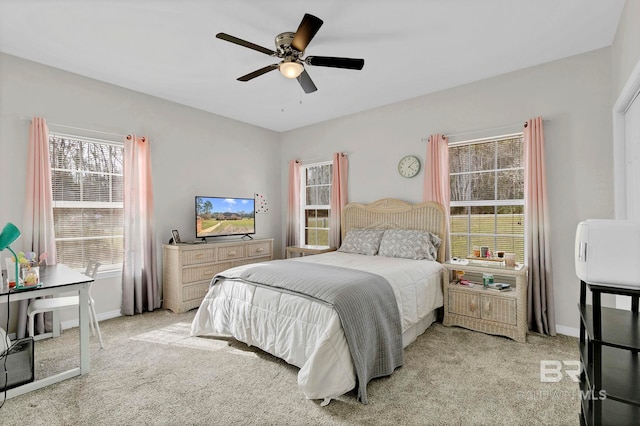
column 218, row 216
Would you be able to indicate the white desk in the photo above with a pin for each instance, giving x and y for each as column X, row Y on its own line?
column 56, row 279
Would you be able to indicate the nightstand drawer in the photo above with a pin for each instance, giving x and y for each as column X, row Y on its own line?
column 499, row 309
column 464, row 303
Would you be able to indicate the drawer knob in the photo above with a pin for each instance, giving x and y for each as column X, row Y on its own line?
column 232, row 253
column 208, row 272
column 199, row 256
column 487, row 306
column 472, row 306
column 259, row 249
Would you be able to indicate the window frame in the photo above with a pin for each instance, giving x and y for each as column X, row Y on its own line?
column 61, row 204
column 303, row 200
column 495, row 203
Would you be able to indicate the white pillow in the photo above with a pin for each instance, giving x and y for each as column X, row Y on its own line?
column 362, row 241
column 409, row 244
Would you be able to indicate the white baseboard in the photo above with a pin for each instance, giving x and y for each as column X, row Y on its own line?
column 568, row 331
column 101, row 317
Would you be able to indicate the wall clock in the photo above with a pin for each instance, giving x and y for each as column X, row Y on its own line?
column 409, row 166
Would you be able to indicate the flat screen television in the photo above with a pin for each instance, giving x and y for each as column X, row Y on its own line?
column 223, row 216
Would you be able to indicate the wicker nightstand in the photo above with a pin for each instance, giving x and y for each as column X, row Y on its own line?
column 487, row 311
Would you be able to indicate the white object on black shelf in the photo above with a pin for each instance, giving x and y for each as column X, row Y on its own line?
column 607, row 252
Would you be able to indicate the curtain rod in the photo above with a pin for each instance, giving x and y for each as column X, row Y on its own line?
column 83, row 129
column 87, row 130
column 452, row 135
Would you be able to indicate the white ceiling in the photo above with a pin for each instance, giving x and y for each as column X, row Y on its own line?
column 168, row 48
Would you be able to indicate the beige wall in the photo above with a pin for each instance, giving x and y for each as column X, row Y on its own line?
column 574, row 94
column 193, row 152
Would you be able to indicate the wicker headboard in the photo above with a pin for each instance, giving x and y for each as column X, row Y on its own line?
column 389, row 213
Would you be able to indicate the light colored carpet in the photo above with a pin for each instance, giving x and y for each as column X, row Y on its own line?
column 152, row 373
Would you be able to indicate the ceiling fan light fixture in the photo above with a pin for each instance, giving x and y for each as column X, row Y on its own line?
column 291, row 69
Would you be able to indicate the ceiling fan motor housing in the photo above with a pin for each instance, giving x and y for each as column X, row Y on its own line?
column 283, row 46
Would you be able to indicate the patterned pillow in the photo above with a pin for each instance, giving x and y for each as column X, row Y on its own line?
column 362, row 241
column 409, row 244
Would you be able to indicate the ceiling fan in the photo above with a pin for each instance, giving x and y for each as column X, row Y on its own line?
column 290, row 48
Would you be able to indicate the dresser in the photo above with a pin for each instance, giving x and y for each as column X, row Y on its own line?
column 188, row 268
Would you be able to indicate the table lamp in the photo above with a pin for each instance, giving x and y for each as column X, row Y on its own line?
column 9, row 234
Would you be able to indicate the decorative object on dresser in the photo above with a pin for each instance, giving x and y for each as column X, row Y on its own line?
column 188, row 269
column 483, row 309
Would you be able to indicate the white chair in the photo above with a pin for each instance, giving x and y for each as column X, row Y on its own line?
column 57, row 303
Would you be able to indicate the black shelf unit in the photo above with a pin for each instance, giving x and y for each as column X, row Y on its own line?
column 609, row 351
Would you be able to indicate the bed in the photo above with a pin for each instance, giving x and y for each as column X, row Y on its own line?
column 308, row 332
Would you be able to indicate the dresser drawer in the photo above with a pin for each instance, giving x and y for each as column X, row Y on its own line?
column 199, row 273
column 231, row 252
column 259, row 249
column 464, row 303
column 203, row 255
column 499, row 309
column 195, row 292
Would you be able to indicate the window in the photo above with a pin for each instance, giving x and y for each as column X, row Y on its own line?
column 487, row 195
column 315, row 202
column 86, row 179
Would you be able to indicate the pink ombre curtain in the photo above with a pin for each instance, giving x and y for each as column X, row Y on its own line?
column 37, row 227
column 293, row 206
column 540, row 311
column 140, row 289
column 339, row 198
column 436, row 179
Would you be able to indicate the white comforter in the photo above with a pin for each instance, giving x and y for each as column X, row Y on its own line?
column 308, row 334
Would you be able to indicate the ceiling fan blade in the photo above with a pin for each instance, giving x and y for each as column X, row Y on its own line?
column 306, row 82
column 330, row 61
column 258, row 73
column 245, row 43
column 308, row 28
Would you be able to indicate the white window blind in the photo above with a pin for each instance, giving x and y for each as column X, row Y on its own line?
column 486, row 179
column 87, row 181
column 316, row 203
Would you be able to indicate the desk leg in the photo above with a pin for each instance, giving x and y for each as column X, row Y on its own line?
column 83, row 323
column 55, row 324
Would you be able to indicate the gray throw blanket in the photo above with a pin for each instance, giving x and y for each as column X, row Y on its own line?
column 364, row 302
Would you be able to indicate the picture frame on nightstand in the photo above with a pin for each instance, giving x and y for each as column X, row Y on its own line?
column 175, row 237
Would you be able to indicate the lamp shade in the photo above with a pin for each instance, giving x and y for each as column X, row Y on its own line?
column 9, row 234
column 291, row 69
